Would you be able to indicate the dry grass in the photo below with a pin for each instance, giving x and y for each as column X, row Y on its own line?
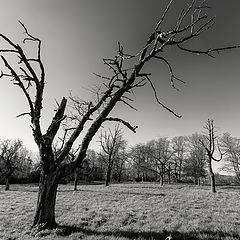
column 126, row 211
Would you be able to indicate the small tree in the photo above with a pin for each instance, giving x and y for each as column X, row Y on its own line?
column 127, row 74
column 209, row 142
column 10, row 159
column 111, row 143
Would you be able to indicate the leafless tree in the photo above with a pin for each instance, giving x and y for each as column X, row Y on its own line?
column 121, row 161
column 111, row 143
column 127, row 74
column 195, row 163
column 159, row 155
column 138, row 156
column 209, row 142
column 179, row 145
column 231, row 149
column 10, row 159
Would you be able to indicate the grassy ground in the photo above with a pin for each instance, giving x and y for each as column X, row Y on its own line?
column 126, row 211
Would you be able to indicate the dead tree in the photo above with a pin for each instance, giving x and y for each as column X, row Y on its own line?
column 110, row 145
column 209, row 142
column 127, row 74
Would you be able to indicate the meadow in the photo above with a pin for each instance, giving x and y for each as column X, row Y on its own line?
column 126, row 211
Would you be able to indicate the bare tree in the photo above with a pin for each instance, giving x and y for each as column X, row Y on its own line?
column 209, row 142
column 127, row 74
column 195, row 163
column 10, row 159
column 231, row 148
column 137, row 159
column 90, row 165
column 179, row 145
column 121, row 160
column 160, row 154
column 111, row 143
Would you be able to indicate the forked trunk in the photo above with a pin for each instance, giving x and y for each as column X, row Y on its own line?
column 45, row 212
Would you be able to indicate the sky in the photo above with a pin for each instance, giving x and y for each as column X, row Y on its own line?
column 77, row 34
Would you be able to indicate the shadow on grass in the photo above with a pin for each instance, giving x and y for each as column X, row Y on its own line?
column 206, row 235
column 119, row 192
column 22, row 188
column 229, row 187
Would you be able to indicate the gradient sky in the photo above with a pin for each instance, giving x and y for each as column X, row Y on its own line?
column 77, row 34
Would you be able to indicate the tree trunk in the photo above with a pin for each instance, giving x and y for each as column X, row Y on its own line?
column 199, row 181
column 7, row 186
column 169, row 174
column 211, row 176
column 180, row 172
column 161, row 179
column 75, row 179
column 108, row 176
column 45, row 211
column 138, row 176
column 162, row 175
column 212, row 181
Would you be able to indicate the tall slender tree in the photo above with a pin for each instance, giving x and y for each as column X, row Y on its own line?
column 126, row 74
column 209, row 142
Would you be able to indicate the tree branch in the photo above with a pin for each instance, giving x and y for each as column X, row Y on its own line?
column 127, row 124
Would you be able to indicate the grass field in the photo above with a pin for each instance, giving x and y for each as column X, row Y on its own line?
column 126, row 211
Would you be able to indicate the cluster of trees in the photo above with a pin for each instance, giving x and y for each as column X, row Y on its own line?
column 17, row 163
column 180, row 159
column 126, row 74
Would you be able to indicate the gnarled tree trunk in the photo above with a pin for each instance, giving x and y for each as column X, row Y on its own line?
column 212, row 179
column 45, row 210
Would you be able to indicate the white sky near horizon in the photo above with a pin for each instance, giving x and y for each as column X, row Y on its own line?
column 77, row 34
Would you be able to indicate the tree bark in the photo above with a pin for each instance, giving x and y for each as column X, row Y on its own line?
column 162, row 175
column 45, row 212
column 212, row 180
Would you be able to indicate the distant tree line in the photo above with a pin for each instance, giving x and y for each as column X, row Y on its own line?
column 180, row 159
